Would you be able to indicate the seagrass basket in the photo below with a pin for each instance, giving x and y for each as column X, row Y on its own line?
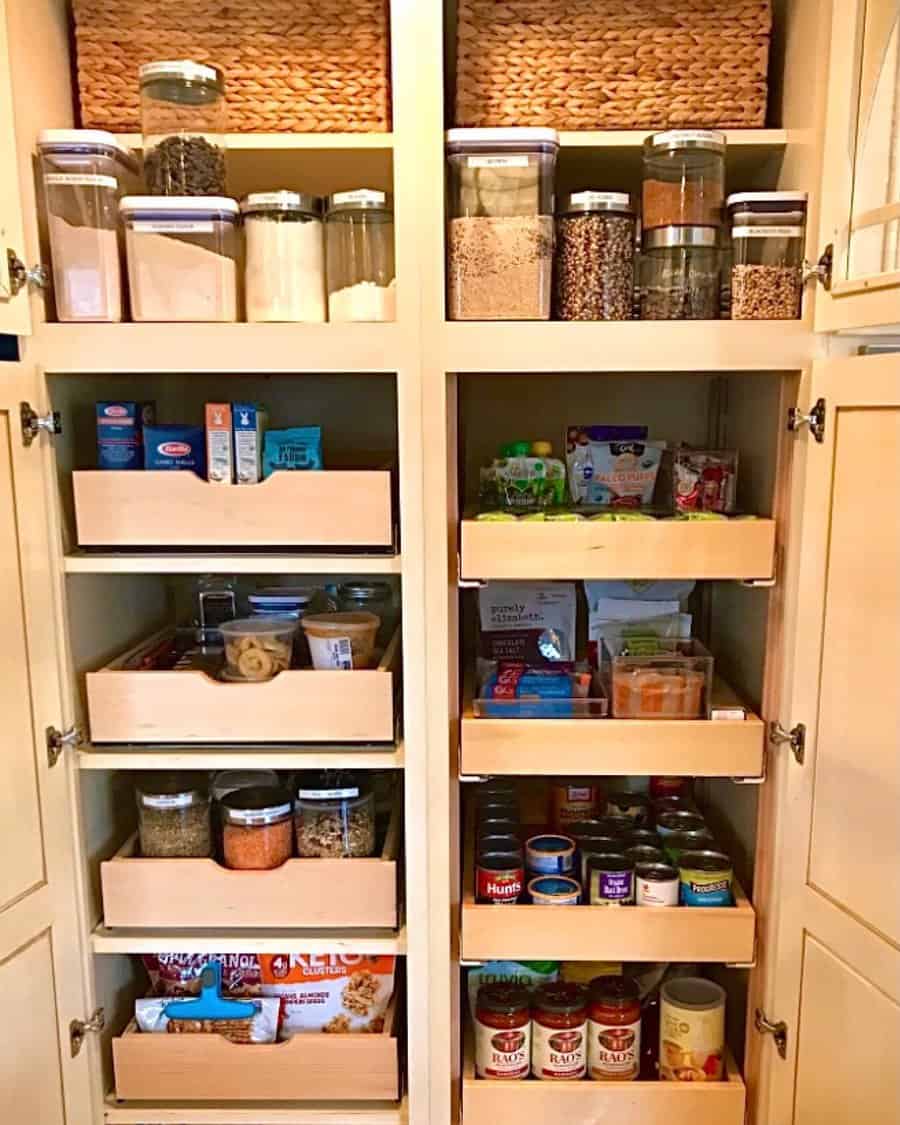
column 613, row 64
column 291, row 66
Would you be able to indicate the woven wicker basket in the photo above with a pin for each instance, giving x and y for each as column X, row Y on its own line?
column 291, row 66
column 613, row 64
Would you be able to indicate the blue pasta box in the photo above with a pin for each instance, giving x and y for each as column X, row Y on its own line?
column 120, row 433
column 175, row 447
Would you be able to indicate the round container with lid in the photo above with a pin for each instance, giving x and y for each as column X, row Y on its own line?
column 679, row 820
column 229, row 781
column 371, row 597
column 768, row 234
column 691, row 1030
column 183, row 121
column 341, row 641
column 595, row 256
column 680, row 273
column 335, row 816
column 359, row 240
column 684, row 178
column 592, row 844
column 655, row 884
column 550, row 855
column 554, row 890
column 284, row 267
column 502, row 1032
column 635, row 807
column 614, row 1029
column 258, row 648
column 174, row 816
column 706, row 878
column 645, row 853
column 559, row 1032
column 642, row 835
column 694, row 839
column 257, row 828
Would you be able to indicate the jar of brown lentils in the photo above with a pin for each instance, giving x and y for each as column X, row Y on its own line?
column 174, row 816
column 594, row 256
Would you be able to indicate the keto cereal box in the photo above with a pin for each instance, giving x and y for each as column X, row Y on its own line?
column 334, row 993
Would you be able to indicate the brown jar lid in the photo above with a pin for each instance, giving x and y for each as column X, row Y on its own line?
column 258, row 805
column 506, row 998
column 560, row 996
column 614, row 990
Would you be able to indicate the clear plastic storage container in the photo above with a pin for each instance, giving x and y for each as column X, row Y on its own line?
column 182, row 257
column 257, row 828
column 658, row 678
column 84, row 173
column 680, row 274
column 768, row 235
column 258, row 648
column 500, row 238
column 183, row 122
column 595, row 256
column 335, row 816
column 359, row 237
column 684, row 178
column 371, row 597
column 173, row 816
column 284, row 257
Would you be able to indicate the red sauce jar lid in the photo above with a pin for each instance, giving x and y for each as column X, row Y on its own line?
column 560, row 996
column 505, row 998
column 613, row 991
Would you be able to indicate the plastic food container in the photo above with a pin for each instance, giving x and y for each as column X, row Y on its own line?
column 359, row 240
column 680, row 274
column 184, row 123
column 84, row 172
column 285, row 257
column 371, row 597
column 671, row 681
column 182, row 257
column 684, row 178
column 257, row 648
column 595, row 256
column 500, row 240
column 173, row 816
column 335, row 817
column 768, row 236
column 257, row 828
column 341, row 641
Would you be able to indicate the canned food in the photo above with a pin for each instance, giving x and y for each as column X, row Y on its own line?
column 572, row 801
column 644, row 853
column 499, row 826
column 672, row 803
column 691, row 1030
column 498, row 806
column 614, row 825
column 496, row 787
column 554, row 890
column 655, row 884
column 640, row 837
column 499, row 842
column 635, row 807
column 589, row 846
column 679, row 820
column 499, row 878
column 669, row 787
column 706, row 879
column 694, row 841
column 610, row 880
column 550, row 855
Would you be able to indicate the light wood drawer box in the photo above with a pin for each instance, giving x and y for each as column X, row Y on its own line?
column 332, row 508
column 311, row 1067
column 201, row 894
column 192, row 707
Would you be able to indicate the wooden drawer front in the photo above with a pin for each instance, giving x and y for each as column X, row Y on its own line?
column 334, row 508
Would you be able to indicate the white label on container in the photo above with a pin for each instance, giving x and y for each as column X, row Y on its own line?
column 361, row 195
column 766, row 232
column 261, row 197
column 705, row 136
column 497, row 161
column 80, row 179
column 502, row 1053
column 597, row 197
column 332, row 652
column 165, row 801
column 172, row 226
column 558, row 1052
column 656, row 892
column 327, row 794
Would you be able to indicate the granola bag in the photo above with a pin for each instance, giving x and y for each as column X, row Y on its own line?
column 262, row 1027
column 178, row 974
column 333, row 993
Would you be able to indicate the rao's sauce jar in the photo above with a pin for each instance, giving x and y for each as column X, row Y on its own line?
column 614, row 1030
column 502, row 1032
column 559, row 1032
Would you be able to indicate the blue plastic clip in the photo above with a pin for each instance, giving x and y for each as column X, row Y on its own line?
column 210, row 1004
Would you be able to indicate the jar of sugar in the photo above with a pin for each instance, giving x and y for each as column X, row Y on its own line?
column 285, row 257
column 359, row 234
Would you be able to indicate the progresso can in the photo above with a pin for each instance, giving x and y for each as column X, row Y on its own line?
column 655, row 884
column 705, row 878
column 610, row 880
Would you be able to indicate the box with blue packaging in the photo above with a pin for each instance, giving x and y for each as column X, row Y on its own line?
column 120, row 433
column 297, row 448
column 175, row 447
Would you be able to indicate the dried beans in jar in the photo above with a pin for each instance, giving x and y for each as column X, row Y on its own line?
column 595, row 257
column 257, row 828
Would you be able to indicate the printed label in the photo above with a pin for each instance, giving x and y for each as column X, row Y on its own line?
column 334, row 652
column 497, row 161
column 502, row 1053
column 698, row 889
column 502, row 888
column 656, row 892
column 614, row 1052
column 691, row 1043
column 80, row 179
column 166, row 801
column 171, row 226
column 612, row 888
column 327, row 794
column 766, row 232
column 558, row 1052
column 361, row 195
column 589, row 197
column 704, row 135
column 263, row 197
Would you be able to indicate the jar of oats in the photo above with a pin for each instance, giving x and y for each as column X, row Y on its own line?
column 768, row 234
column 335, row 816
column 595, row 256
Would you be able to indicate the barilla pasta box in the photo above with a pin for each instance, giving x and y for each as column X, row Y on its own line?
column 120, row 433
column 219, row 446
column 250, row 423
column 175, row 447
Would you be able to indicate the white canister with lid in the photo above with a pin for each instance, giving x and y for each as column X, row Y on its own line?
column 285, row 257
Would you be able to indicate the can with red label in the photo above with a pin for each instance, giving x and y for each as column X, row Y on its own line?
column 499, row 878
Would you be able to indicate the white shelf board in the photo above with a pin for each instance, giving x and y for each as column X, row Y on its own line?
column 106, row 940
column 266, row 756
column 253, row 1113
column 254, row 142
column 634, row 138
column 107, row 562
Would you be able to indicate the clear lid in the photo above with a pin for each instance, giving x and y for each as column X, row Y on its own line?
column 365, row 591
column 583, row 202
column 666, row 237
column 175, row 207
column 171, row 791
column 294, row 596
column 502, row 140
column 207, row 80
column 361, row 199
column 257, row 627
column 259, row 805
column 674, row 140
column 87, row 142
column 275, row 202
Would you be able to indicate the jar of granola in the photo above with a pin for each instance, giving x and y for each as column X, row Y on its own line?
column 335, row 816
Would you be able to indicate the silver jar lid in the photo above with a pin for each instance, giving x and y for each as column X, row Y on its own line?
column 365, row 590
column 183, row 70
column 585, row 202
column 282, row 202
column 674, row 140
column 702, row 238
column 362, row 199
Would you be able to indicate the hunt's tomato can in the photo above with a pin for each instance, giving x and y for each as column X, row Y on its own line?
column 499, row 878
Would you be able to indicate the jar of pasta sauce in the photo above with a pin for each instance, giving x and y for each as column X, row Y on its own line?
column 559, row 1032
column 502, row 1032
column 614, row 1030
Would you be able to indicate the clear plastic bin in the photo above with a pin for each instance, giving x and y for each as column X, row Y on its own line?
column 182, row 257
column 84, row 173
column 359, row 240
column 662, row 679
column 768, row 236
column 500, row 238
column 258, row 648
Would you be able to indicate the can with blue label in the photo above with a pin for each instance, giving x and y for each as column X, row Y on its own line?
column 550, row 855
column 705, row 879
column 554, row 890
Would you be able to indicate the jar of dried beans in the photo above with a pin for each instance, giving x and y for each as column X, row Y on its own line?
column 257, row 829
column 680, row 274
column 768, row 231
column 684, row 178
column 595, row 256
column 183, row 123
column 335, row 817
column 173, row 816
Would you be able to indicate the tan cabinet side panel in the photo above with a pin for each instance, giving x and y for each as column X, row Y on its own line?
column 14, row 312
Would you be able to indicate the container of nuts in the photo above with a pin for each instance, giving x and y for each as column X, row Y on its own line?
column 334, row 816
column 767, row 236
column 173, row 816
column 594, row 275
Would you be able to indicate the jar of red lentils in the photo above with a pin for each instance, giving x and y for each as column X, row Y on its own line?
column 614, row 1029
column 502, row 1032
column 559, row 1032
column 257, row 828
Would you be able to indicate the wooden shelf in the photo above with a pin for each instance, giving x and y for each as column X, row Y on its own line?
column 104, row 940
column 263, row 756
column 727, row 549
column 118, row 1112
column 184, row 562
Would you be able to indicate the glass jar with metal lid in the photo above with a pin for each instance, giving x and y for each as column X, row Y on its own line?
column 595, row 256
column 768, row 233
column 371, row 597
column 173, row 816
column 684, row 178
column 257, row 827
column 680, row 274
column 359, row 240
column 183, row 122
column 285, row 257
column 335, row 816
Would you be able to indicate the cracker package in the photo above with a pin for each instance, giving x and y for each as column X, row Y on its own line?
column 333, row 993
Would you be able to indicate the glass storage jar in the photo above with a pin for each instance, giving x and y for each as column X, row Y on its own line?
column 257, row 828
column 614, row 1030
column 284, row 257
column 684, row 178
column 85, row 171
column 595, row 256
column 502, row 1032
column 173, row 816
column 680, row 274
column 559, row 1032
column 359, row 241
column 183, row 123
column 371, row 597
column 335, row 816
column 182, row 257
column 500, row 238
column 768, row 233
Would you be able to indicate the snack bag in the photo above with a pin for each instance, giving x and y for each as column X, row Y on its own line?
column 613, row 466
column 151, row 1015
column 527, row 622
column 334, row 993
column 178, row 974
column 531, row 974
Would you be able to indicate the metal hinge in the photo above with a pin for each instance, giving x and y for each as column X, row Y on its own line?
column 815, row 419
column 78, row 1029
column 795, row 738
column 20, row 276
column 778, row 1029
column 822, row 271
column 33, row 423
column 472, row 778
column 58, row 740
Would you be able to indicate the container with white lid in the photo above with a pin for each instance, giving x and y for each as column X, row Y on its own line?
column 182, row 257
column 359, row 234
column 285, row 257
column 594, row 271
column 84, row 173
column 768, row 235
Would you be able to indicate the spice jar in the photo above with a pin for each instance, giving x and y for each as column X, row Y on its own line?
column 256, row 828
column 371, row 597
column 684, row 178
column 173, row 816
column 335, row 816
column 595, row 256
column 502, row 1032
column 767, row 240
column 680, row 272
column 183, row 123
column 359, row 240
column 614, row 1029
column 559, row 1032
column 285, row 257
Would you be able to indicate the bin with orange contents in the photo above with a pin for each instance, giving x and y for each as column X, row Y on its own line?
column 658, row 678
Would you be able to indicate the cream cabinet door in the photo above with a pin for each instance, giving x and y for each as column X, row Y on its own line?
column 15, row 316
column 836, row 981
column 42, row 972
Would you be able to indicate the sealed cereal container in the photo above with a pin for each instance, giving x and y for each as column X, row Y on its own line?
column 768, row 232
column 183, row 123
column 595, row 256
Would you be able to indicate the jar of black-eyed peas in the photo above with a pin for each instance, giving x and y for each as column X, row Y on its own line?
column 594, row 256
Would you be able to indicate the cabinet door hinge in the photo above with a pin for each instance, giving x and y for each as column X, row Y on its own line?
column 823, row 270
column 795, row 738
column 33, row 423
column 58, row 740
column 16, row 276
column 78, row 1029
column 815, row 419
column 778, row 1029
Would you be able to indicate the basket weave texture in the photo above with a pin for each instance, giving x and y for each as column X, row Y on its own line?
column 613, row 64
column 291, row 66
